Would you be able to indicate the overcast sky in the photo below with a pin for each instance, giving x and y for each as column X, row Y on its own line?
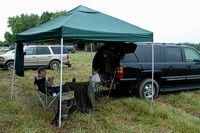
column 171, row 21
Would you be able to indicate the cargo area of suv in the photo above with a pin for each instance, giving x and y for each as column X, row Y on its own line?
column 176, row 67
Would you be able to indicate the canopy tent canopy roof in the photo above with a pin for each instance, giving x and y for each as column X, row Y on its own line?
column 83, row 23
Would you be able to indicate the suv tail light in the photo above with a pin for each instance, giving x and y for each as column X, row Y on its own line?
column 120, row 72
column 67, row 57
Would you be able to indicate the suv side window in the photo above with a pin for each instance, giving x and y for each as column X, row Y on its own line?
column 144, row 53
column 173, row 54
column 43, row 50
column 56, row 50
column 191, row 55
column 31, row 51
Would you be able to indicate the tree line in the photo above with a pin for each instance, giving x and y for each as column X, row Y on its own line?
column 23, row 22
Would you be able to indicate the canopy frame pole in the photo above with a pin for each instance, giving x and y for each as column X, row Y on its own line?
column 13, row 79
column 61, row 66
column 152, row 88
column 91, row 52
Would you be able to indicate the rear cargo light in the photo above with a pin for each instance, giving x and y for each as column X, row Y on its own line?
column 120, row 72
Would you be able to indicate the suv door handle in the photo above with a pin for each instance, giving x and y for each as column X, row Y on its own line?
column 170, row 67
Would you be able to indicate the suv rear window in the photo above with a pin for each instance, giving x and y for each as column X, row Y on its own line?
column 56, row 50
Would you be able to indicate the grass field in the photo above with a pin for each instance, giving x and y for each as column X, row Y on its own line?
column 169, row 113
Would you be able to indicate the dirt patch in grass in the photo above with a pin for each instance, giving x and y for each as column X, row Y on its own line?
column 196, row 113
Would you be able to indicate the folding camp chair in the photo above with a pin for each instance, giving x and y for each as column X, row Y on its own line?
column 77, row 96
column 44, row 92
column 83, row 94
column 68, row 107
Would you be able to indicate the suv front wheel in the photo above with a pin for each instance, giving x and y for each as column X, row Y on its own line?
column 54, row 65
column 10, row 65
column 145, row 89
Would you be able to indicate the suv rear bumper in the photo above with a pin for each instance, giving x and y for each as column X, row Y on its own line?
column 68, row 63
column 125, row 83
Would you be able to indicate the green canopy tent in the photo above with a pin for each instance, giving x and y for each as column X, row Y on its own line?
column 80, row 23
column 86, row 24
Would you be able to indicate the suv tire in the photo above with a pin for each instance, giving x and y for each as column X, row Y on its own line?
column 10, row 65
column 54, row 65
column 145, row 89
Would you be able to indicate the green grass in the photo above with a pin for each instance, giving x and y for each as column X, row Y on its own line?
column 169, row 113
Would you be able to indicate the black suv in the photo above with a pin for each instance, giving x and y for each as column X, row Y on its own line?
column 176, row 67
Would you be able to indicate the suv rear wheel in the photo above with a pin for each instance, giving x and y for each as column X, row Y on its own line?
column 54, row 65
column 10, row 65
column 145, row 89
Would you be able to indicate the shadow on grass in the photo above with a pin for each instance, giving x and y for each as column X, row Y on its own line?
column 125, row 93
column 117, row 93
column 176, row 92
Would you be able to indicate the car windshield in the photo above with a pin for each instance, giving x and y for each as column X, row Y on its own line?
column 11, row 51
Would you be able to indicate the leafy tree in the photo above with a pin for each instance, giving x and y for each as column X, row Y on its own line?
column 45, row 17
column 24, row 22
column 10, row 38
column 81, row 46
column 4, row 43
column 21, row 23
column 57, row 14
column 1, row 43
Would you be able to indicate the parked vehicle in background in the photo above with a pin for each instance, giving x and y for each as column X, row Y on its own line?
column 1, row 49
column 12, row 47
column 4, row 49
column 36, row 56
column 176, row 67
column 71, row 48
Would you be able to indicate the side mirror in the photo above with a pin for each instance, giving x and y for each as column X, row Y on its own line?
column 24, row 53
